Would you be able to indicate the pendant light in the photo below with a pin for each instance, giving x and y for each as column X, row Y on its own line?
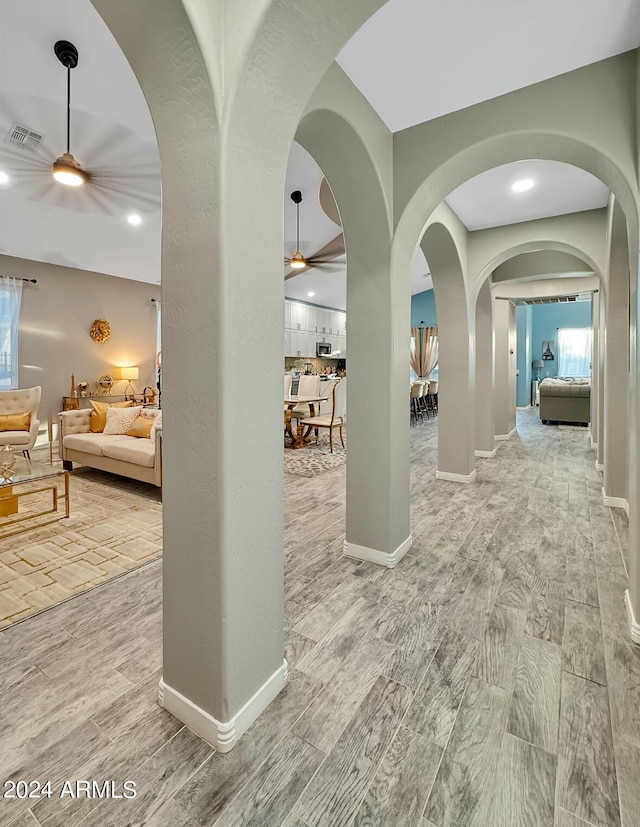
column 298, row 261
column 66, row 170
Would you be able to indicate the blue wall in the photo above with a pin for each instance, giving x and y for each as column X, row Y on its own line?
column 547, row 318
column 423, row 309
column 524, row 329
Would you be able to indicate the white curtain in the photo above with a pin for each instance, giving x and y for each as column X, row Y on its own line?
column 10, row 300
column 574, row 351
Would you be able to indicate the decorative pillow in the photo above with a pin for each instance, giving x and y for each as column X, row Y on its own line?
column 15, row 422
column 141, row 427
column 157, row 423
column 99, row 414
column 120, row 420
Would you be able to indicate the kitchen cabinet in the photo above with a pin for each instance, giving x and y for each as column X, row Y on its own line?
column 298, row 316
column 304, row 325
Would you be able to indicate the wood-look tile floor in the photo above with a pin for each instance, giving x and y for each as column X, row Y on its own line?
column 488, row 680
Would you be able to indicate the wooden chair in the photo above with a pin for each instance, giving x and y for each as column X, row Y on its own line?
column 335, row 419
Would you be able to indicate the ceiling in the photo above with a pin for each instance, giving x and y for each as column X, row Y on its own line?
column 489, row 201
column 419, row 59
column 414, row 60
column 112, row 136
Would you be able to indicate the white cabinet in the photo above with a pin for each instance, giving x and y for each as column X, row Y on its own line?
column 298, row 316
column 304, row 325
column 312, row 320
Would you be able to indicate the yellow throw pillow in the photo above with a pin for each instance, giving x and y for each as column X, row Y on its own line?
column 99, row 414
column 15, row 422
column 141, row 428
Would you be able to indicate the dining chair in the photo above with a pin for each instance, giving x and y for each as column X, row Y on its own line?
column 308, row 386
column 433, row 397
column 335, row 419
column 417, row 390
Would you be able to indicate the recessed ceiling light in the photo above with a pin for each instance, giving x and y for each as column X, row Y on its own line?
column 523, row 185
column 134, row 219
column 4, row 178
column 311, row 294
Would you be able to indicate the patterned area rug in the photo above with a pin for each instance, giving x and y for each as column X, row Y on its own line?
column 583, row 428
column 115, row 526
column 314, row 459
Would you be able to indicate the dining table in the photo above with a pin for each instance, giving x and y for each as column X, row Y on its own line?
column 299, row 439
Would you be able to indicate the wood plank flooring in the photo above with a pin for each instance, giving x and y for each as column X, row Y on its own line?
column 488, row 680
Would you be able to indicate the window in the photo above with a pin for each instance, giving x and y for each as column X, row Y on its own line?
column 574, row 351
column 10, row 298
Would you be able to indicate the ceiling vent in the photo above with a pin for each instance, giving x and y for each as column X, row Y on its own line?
column 24, row 137
column 554, row 300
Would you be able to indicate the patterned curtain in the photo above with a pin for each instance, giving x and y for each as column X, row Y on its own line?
column 424, row 353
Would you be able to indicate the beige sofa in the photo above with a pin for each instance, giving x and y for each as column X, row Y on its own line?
column 129, row 456
column 565, row 400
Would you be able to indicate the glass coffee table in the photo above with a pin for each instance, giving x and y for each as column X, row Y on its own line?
column 23, row 483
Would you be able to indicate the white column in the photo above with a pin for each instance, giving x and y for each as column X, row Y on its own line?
column 505, row 369
column 485, row 367
column 595, row 369
column 602, row 341
column 457, row 359
column 615, row 488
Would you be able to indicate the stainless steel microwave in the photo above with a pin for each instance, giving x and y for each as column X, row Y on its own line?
column 323, row 348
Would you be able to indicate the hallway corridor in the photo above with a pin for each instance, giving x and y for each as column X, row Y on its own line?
column 488, row 681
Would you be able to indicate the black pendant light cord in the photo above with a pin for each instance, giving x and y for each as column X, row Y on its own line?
column 68, row 108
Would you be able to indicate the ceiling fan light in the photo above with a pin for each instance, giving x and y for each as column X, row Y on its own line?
column 298, row 261
column 67, row 171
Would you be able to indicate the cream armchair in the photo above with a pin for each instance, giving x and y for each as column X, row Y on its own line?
column 20, row 401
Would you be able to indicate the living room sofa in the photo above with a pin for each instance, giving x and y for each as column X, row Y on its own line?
column 565, row 400
column 129, row 456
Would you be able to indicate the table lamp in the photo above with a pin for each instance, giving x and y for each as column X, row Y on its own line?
column 536, row 365
column 129, row 374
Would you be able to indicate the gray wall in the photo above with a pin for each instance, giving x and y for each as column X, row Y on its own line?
column 55, row 320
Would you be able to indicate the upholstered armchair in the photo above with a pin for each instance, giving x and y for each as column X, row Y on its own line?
column 13, row 404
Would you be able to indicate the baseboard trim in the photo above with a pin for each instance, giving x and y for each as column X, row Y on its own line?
column 600, row 466
column 373, row 555
column 222, row 735
column 504, row 437
column 487, row 454
column 634, row 626
column 594, row 445
column 615, row 502
column 451, row 477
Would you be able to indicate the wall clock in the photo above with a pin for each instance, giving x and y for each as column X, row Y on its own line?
column 100, row 331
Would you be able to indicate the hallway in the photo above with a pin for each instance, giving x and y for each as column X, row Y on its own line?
column 489, row 676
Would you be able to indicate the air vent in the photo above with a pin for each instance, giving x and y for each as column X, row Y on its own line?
column 24, row 137
column 554, row 300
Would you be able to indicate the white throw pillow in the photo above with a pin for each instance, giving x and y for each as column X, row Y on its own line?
column 157, row 423
column 119, row 420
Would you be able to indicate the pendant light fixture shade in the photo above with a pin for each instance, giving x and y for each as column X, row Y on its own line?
column 66, row 170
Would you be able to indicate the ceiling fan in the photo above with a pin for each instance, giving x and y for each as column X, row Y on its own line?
column 119, row 170
column 326, row 257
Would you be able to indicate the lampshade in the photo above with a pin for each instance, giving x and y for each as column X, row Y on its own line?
column 67, row 171
column 537, row 363
column 129, row 373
